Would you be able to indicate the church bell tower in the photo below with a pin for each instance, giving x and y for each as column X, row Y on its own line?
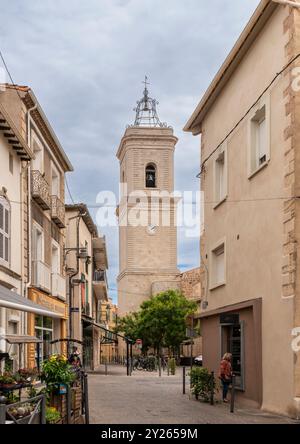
column 147, row 209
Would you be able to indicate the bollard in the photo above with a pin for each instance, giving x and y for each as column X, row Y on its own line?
column 159, row 367
column 212, row 389
column 183, row 380
column 86, row 400
column 232, row 400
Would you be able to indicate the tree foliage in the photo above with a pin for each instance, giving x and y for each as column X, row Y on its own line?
column 161, row 320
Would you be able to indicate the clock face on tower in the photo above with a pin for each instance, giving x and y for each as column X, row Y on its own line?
column 151, row 229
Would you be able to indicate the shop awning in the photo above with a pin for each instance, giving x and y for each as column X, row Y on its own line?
column 16, row 339
column 12, row 300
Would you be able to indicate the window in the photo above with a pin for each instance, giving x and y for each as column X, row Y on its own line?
column 11, row 163
column 55, row 260
column 37, row 162
column 220, row 177
column 55, row 182
column 150, row 176
column 44, row 332
column 232, row 341
column 4, row 230
column 218, row 266
column 37, row 244
column 259, row 139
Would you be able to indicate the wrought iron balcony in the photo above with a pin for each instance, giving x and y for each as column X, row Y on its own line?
column 58, row 211
column 58, row 286
column 40, row 190
column 41, row 276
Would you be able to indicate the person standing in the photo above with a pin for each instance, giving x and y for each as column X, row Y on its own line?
column 225, row 374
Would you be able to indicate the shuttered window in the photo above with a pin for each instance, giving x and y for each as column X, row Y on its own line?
column 4, row 230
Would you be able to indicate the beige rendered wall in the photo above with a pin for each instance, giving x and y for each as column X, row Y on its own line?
column 251, row 221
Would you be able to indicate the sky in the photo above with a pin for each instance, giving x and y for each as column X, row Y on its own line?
column 86, row 61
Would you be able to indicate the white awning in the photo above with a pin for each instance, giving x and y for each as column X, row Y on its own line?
column 12, row 300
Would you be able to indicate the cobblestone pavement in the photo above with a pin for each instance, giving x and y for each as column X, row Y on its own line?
column 144, row 398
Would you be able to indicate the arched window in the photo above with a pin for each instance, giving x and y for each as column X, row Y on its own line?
column 4, row 229
column 150, row 176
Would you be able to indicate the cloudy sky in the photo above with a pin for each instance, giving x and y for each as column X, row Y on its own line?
column 85, row 62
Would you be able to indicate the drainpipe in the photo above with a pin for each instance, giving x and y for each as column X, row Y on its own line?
column 29, row 217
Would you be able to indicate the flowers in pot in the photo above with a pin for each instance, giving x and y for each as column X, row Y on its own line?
column 26, row 375
column 52, row 415
column 7, row 380
column 56, row 372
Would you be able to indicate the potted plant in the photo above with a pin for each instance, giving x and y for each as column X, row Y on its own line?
column 53, row 416
column 57, row 373
column 7, row 381
column 202, row 383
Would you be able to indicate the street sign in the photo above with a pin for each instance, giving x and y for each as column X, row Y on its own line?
column 139, row 341
column 75, row 310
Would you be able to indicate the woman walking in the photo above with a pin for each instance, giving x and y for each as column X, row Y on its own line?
column 226, row 374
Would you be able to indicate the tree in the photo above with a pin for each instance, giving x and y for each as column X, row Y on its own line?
column 161, row 320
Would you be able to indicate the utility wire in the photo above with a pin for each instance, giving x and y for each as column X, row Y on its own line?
column 9, row 74
column 69, row 191
column 247, row 112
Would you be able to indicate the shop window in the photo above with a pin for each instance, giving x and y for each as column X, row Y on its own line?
column 4, row 230
column 44, row 331
column 232, row 341
column 150, row 176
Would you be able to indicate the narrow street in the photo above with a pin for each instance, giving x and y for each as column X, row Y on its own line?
column 144, row 398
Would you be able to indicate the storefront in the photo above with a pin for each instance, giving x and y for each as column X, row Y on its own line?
column 47, row 328
column 236, row 329
column 10, row 339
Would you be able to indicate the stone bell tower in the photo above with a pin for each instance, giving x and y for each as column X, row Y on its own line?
column 147, row 229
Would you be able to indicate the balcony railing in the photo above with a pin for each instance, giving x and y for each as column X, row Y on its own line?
column 40, row 190
column 41, row 276
column 58, row 211
column 58, row 286
column 99, row 276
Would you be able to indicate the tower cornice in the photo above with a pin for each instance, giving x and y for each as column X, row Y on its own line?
column 140, row 135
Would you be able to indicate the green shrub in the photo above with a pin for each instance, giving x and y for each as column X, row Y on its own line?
column 172, row 365
column 202, row 383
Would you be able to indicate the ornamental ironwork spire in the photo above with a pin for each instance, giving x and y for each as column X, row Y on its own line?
column 146, row 113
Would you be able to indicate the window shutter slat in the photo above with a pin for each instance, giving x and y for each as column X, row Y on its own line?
column 6, row 249
column 1, row 246
column 6, row 221
column 1, row 217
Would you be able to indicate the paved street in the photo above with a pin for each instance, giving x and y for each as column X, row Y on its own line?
column 145, row 398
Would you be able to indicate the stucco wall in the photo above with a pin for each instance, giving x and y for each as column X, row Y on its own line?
column 251, row 220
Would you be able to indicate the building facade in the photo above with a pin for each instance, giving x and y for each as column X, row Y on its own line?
column 42, row 202
column 13, row 210
column 249, row 123
column 147, row 222
column 108, row 341
column 191, row 283
column 86, row 260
